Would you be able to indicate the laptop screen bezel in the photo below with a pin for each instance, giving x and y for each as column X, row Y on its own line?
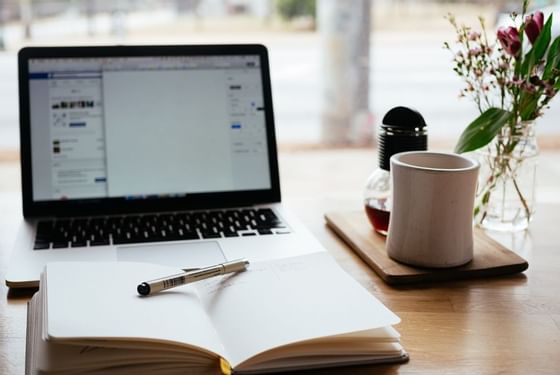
column 109, row 206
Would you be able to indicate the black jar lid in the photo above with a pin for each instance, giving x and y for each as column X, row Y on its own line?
column 402, row 129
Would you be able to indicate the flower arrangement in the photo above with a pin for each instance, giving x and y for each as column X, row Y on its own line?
column 511, row 81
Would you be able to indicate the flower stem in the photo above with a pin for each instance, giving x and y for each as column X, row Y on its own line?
column 521, row 197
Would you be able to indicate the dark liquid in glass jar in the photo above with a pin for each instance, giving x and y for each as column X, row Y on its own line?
column 379, row 219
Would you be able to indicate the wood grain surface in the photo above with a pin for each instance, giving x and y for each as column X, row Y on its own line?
column 490, row 257
column 500, row 325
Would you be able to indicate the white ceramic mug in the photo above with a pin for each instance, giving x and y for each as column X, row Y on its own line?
column 431, row 222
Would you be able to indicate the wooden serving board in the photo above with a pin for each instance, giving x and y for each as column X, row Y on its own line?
column 490, row 257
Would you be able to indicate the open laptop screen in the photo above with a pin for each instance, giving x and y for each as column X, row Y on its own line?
column 147, row 127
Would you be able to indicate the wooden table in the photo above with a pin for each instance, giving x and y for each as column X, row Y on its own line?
column 506, row 325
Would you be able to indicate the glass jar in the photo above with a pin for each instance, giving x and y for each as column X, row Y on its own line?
column 505, row 199
column 402, row 129
column 377, row 200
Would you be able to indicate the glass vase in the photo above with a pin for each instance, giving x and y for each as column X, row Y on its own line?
column 505, row 199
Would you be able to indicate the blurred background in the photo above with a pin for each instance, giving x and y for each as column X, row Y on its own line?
column 337, row 65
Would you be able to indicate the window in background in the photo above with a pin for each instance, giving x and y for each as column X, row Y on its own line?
column 403, row 55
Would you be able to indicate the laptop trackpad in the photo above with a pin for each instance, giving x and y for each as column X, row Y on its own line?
column 180, row 255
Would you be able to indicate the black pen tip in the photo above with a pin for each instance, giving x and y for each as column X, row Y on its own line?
column 143, row 289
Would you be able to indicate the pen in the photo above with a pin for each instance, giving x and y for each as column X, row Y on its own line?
column 153, row 286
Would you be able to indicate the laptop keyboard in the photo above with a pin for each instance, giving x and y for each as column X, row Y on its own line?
column 98, row 231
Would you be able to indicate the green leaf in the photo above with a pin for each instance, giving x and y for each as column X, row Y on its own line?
column 524, row 68
column 540, row 46
column 482, row 130
column 552, row 59
column 529, row 106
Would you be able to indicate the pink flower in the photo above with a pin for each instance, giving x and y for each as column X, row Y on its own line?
column 475, row 51
column 509, row 39
column 474, row 35
column 534, row 25
column 517, row 82
column 530, row 88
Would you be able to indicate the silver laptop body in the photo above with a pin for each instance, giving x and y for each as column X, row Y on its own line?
column 163, row 154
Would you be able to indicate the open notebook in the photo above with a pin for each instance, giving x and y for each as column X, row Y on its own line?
column 284, row 314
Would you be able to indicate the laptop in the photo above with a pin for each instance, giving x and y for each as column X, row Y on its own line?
column 162, row 154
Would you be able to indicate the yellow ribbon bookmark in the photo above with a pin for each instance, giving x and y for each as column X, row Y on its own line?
column 225, row 367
